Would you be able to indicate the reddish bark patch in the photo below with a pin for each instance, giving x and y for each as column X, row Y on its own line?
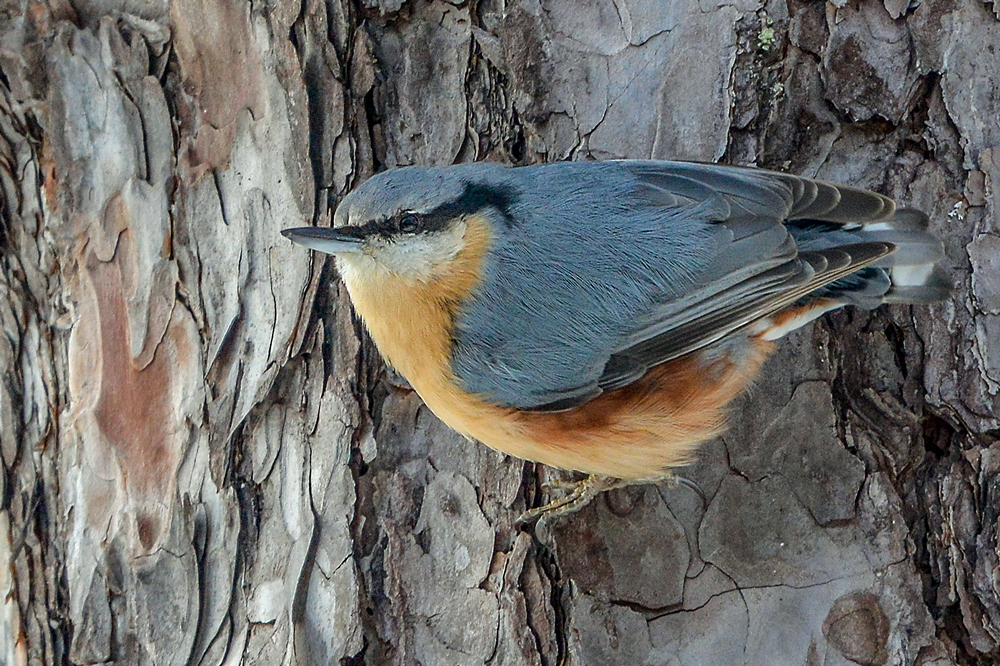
column 221, row 75
column 134, row 409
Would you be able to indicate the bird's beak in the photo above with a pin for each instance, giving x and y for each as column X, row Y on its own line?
column 323, row 239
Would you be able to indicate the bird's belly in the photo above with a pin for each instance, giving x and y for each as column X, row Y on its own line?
column 637, row 432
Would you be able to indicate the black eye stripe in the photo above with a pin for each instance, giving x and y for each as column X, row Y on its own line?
column 474, row 199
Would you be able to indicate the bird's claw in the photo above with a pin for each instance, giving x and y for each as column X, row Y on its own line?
column 578, row 495
column 559, row 486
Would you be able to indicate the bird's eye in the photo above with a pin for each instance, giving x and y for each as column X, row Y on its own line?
column 409, row 223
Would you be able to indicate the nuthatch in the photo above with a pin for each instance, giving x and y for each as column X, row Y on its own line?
column 599, row 316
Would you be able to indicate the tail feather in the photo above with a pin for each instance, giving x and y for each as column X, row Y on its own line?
column 910, row 274
column 913, row 268
column 909, row 231
column 826, row 218
column 917, row 284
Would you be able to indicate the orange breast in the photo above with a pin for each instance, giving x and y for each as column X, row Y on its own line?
column 636, row 432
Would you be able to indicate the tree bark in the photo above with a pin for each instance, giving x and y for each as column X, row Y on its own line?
column 205, row 461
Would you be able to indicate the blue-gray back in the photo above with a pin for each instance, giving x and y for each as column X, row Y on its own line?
column 602, row 270
column 586, row 259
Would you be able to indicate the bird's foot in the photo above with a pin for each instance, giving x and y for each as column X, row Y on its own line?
column 563, row 486
column 577, row 495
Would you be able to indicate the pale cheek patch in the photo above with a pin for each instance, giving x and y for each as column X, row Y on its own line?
column 421, row 256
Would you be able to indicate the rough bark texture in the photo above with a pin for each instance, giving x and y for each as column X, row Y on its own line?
column 204, row 461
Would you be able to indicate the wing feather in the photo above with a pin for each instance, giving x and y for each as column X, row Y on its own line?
column 720, row 314
column 694, row 253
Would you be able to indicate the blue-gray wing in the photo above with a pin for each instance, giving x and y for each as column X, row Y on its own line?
column 605, row 269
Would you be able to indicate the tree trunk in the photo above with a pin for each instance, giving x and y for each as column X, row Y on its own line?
column 205, row 461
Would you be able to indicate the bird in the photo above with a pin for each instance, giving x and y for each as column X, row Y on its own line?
column 599, row 316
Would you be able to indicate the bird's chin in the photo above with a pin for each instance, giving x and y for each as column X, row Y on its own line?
column 358, row 266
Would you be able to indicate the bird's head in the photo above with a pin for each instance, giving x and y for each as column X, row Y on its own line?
column 413, row 221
